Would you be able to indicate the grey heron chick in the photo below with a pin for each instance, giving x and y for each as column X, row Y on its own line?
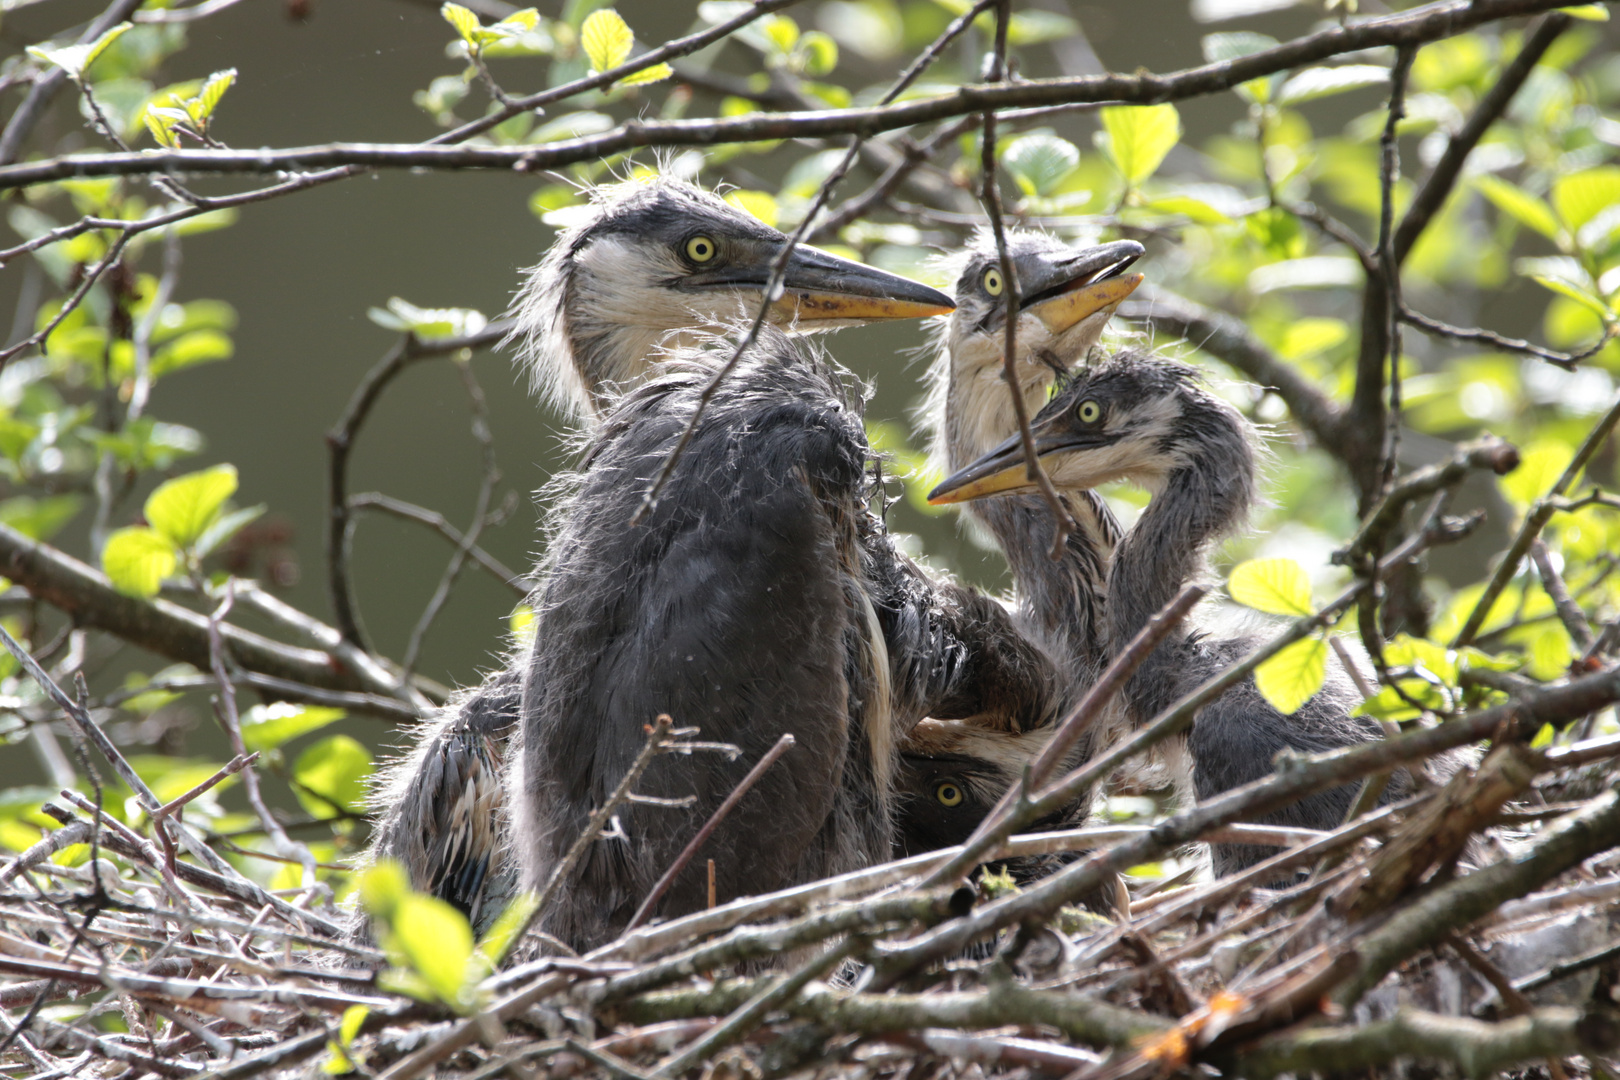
column 759, row 597
column 647, row 265
column 1151, row 421
column 655, row 263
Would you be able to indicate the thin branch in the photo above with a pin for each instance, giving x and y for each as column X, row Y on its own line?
column 1569, row 612
column 1536, row 520
column 1411, row 28
column 1431, row 196
column 387, row 504
column 1566, row 360
column 1389, row 275
column 769, row 758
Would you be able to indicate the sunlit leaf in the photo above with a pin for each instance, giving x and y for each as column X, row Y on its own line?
column 761, row 204
column 1574, row 292
column 1040, row 162
column 1589, row 12
column 137, row 560
column 1320, row 82
column 1519, row 204
column 500, row 938
column 265, row 727
column 331, row 777
column 1194, row 210
column 654, row 73
column 182, row 508
column 1540, row 465
column 606, row 39
column 1550, row 653
column 1275, row 586
column 382, row 887
column 464, row 20
column 1139, row 136
column 214, row 89
column 42, row 518
column 435, row 941
column 76, row 59
column 1293, row 676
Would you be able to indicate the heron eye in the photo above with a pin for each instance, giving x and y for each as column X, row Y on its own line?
column 992, row 282
column 700, row 249
column 1090, row 412
column 948, row 794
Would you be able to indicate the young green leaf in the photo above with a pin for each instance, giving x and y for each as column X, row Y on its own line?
column 76, row 59
column 224, row 527
column 382, row 887
column 183, row 508
column 137, row 560
column 1292, row 677
column 1540, row 465
column 1139, row 136
column 1519, row 204
column 500, row 938
column 1321, row 82
column 265, row 727
column 656, row 73
column 1275, row 586
column 332, row 776
column 464, row 20
column 761, row 204
column 214, row 89
column 435, row 941
column 1040, row 162
column 606, row 39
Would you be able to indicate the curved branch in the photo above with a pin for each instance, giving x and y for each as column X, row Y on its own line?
column 1408, row 28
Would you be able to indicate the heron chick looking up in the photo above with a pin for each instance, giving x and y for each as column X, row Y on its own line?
column 1148, row 420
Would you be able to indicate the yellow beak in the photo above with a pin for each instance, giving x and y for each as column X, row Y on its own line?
column 1066, row 309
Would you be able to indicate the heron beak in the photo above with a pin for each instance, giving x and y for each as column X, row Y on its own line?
column 1076, row 289
column 819, row 287
column 1003, row 471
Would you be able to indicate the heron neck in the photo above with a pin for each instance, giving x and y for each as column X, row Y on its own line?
column 1201, row 499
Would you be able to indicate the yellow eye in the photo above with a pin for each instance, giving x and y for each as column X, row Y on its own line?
column 700, row 249
column 992, row 282
column 948, row 794
column 1090, row 412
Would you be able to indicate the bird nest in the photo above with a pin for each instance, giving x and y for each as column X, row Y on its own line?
column 1450, row 929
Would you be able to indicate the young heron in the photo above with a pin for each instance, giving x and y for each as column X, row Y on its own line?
column 649, row 266
column 1148, row 420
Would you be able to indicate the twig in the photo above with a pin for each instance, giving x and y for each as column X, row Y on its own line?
column 1569, row 612
column 490, row 476
column 1536, row 520
column 230, row 768
column 376, row 500
column 1014, row 809
column 770, row 757
column 1411, row 28
column 1566, row 360
column 1389, row 170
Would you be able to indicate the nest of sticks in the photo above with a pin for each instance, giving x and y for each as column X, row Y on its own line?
column 1472, row 928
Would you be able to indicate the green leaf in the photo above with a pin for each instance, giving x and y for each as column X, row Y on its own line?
column 1540, row 465
column 1589, row 12
column 1519, row 204
column 1550, row 653
column 1581, row 296
column 656, row 73
column 1321, row 82
column 1580, row 197
column 382, row 887
column 212, row 91
column 464, row 20
column 40, row 519
column 1139, row 136
column 435, row 941
column 137, row 560
column 500, row 938
column 265, row 727
column 1275, row 586
column 331, row 777
column 162, row 128
column 225, row 527
column 1195, row 210
column 761, row 204
column 1036, row 27
column 76, row 59
column 606, row 39
column 406, row 317
column 781, row 31
column 183, row 508
column 1040, row 162
column 1292, row 677
column 820, row 54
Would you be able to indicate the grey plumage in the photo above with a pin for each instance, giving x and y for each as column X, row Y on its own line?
column 758, row 598
column 605, row 305
column 1149, row 420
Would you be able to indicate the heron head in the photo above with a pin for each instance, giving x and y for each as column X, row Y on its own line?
column 652, row 260
column 1065, row 297
column 1133, row 417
